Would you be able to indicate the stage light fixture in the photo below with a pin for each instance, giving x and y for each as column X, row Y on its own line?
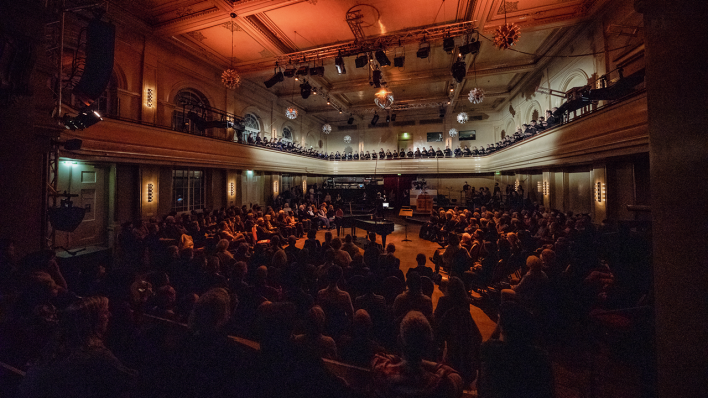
column 449, row 44
column 361, row 61
column 351, row 119
column 314, row 90
column 470, row 48
column 81, row 121
column 328, row 103
column 399, row 62
column 305, row 90
column 442, row 112
column 423, row 51
column 277, row 78
column 388, row 118
column 302, row 71
column 382, row 58
column 339, row 63
column 459, row 70
column 73, row 144
column 393, row 117
column 375, row 119
column 376, row 76
column 289, row 72
column 317, row 71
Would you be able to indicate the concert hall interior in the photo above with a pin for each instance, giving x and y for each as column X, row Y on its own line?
column 538, row 164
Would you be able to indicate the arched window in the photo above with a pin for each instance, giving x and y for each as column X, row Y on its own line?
column 253, row 126
column 287, row 134
column 185, row 101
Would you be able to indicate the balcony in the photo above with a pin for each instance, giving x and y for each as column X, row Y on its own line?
column 614, row 130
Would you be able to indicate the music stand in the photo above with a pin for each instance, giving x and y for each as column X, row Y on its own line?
column 406, row 212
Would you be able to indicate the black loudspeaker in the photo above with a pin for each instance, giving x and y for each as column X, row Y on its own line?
column 66, row 218
column 100, row 48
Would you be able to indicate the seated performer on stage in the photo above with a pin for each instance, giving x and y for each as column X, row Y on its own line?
column 423, row 153
column 431, row 152
column 388, row 154
column 439, row 153
column 368, row 156
column 402, row 154
column 382, row 154
column 448, row 152
column 373, row 155
column 458, row 152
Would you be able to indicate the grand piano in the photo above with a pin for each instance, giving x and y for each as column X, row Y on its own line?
column 364, row 221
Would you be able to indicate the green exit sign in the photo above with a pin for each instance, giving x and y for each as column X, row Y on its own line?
column 498, row 173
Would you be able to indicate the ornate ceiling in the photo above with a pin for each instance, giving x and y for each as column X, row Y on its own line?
column 267, row 30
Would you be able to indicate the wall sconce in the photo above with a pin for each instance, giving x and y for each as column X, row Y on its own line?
column 539, row 187
column 150, row 193
column 600, row 192
column 516, row 185
column 232, row 189
column 275, row 187
column 545, row 188
column 149, row 98
column 304, row 187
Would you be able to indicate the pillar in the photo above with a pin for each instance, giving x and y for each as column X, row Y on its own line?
column 676, row 82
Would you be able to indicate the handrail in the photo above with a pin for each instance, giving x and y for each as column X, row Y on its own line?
column 575, row 119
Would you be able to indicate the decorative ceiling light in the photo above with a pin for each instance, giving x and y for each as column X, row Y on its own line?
column 291, row 113
column 476, row 95
column 384, row 99
column 230, row 77
column 347, row 139
column 462, row 118
column 326, row 128
column 453, row 132
column 506, row 36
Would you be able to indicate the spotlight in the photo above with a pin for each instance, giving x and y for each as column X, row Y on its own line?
column 449, row 44
column 361, row 61
column 305, row 90
column 377, row 78
column 317, row 71
column 459, row 70
column 382, row 58
column 314, row 90
column 328, row 103
column 81, row 121
column 73, row 144
column 339, row 63
column 470, row 48
column 393, row 117
column 375, row 119
column 423, row 51
column 351, row 119
column 289, row 72
column 302, row 71
column 277, row 78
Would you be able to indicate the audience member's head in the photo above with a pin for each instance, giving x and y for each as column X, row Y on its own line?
column 210, row 312
column 416, row 336
column 516, row 324
column 420, row 259
column 413, row 282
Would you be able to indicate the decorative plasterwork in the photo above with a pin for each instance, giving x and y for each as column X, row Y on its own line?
column 188, row 17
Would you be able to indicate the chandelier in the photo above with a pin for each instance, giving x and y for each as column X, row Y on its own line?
column 453, row 132
column 230, row 77
column 506, row 36
column 476, row 95
column 291, row 113
column 347, row 139
column 462, row 118
column 326, row 128
column 384, row 99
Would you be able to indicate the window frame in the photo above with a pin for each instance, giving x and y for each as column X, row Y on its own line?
column 190, row 184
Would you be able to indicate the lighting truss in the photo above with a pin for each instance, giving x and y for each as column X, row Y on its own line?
column 370, row 44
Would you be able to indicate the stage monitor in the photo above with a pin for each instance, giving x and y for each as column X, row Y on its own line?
column 468, row 135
